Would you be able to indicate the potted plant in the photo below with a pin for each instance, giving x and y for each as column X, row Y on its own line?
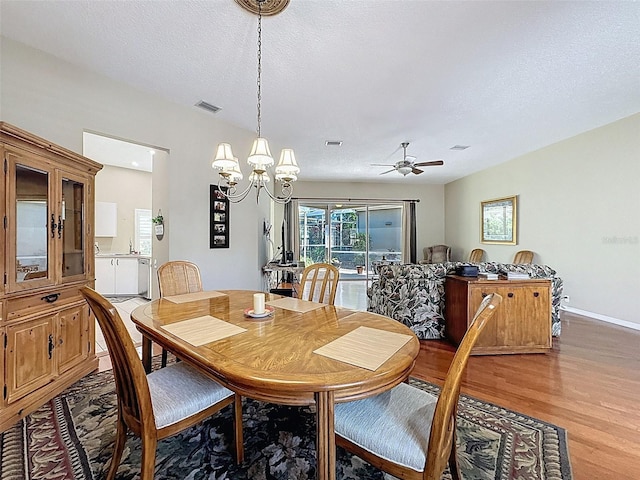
column 158, row 219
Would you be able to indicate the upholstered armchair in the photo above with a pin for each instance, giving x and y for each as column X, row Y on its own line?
column 436, row 254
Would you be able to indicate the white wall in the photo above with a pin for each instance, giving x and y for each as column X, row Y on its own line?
column 57, row 101
column 579, row 205
column 429, row 211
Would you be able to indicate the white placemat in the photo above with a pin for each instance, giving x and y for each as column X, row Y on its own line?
column 202, row 330
column 295, row 304
column 364, row 347
column 192, row 297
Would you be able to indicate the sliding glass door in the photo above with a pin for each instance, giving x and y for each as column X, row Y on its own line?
column 353, row 236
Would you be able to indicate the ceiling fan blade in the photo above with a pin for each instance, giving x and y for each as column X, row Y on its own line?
column 429, row 164
column 417, row 171
column 382, row 165
column 388, row 171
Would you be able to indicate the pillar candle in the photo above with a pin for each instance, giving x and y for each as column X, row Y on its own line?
column 258, row 303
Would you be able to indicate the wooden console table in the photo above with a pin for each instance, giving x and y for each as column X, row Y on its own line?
column 522, row 323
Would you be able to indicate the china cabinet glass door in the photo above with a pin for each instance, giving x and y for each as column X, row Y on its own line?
column 70, row 229
column 32, row 226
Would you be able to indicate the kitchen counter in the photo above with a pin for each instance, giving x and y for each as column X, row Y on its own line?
column 121, row 255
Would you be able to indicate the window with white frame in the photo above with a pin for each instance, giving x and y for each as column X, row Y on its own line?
column 144, row 230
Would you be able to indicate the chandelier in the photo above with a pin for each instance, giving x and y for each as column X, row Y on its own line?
column 260, row 158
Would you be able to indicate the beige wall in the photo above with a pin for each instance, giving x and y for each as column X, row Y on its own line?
column 129, row 189
column 579, row 205
column 58, row 101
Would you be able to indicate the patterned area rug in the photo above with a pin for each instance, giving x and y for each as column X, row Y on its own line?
column 71, row 437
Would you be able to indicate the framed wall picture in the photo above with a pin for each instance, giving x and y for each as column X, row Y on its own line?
column 499, row 220
column 218, row 218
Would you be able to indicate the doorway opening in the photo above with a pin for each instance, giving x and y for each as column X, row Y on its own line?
column 355, row 236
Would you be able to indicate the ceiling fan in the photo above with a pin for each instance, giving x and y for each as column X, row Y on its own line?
column 407, row 165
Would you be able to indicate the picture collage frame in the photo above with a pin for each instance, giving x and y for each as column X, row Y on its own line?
column 218, row 217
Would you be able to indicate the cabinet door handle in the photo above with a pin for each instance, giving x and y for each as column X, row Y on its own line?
column 60, row 226
column 53, row 225
column 52, row 297
column 51, row 346
column 510, row 294
column 484, row 294
column 536, row 294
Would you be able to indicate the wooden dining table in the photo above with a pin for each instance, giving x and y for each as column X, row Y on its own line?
column 303, row 353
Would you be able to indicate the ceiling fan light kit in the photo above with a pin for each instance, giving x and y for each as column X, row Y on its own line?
column 406, row 166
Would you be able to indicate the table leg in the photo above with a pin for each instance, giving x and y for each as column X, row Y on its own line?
column 146, row 354
column 325, row 436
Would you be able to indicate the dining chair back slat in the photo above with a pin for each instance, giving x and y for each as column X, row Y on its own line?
column 320, row 283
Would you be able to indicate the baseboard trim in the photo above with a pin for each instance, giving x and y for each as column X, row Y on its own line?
column 603, row 318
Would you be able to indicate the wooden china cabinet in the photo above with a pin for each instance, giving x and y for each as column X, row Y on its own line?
column 46, row 329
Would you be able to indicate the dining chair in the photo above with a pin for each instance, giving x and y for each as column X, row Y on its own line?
column 406, row 431
column 319, row 283
column 476, row 255
column 178, row 277
column 523, row 256
column 159, row 404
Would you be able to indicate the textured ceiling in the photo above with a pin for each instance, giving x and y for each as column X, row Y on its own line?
column 505, row 78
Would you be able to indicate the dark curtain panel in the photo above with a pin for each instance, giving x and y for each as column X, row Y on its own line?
column 412, row 232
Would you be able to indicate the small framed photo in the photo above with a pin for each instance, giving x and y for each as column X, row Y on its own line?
column 218, row 218
column 499, row 221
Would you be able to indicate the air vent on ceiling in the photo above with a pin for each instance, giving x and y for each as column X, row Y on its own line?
column 459, row 147
column 333, row 143
column 208, row 107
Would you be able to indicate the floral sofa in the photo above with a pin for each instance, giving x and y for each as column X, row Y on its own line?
column 414, row 294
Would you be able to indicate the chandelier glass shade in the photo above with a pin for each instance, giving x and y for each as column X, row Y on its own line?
column 260, row 158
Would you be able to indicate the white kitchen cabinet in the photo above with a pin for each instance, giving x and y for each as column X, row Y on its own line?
column 117, row 275
column 106, row 219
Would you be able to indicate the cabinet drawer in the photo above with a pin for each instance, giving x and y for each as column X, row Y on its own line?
column 51, row 299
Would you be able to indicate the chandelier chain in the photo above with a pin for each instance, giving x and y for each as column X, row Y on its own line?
column 260, row 157
column 259, row 83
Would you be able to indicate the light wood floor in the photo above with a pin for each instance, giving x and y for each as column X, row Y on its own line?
column 588, row 384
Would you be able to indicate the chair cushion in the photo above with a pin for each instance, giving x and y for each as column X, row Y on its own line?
column 394, row 425
column 179, row 391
